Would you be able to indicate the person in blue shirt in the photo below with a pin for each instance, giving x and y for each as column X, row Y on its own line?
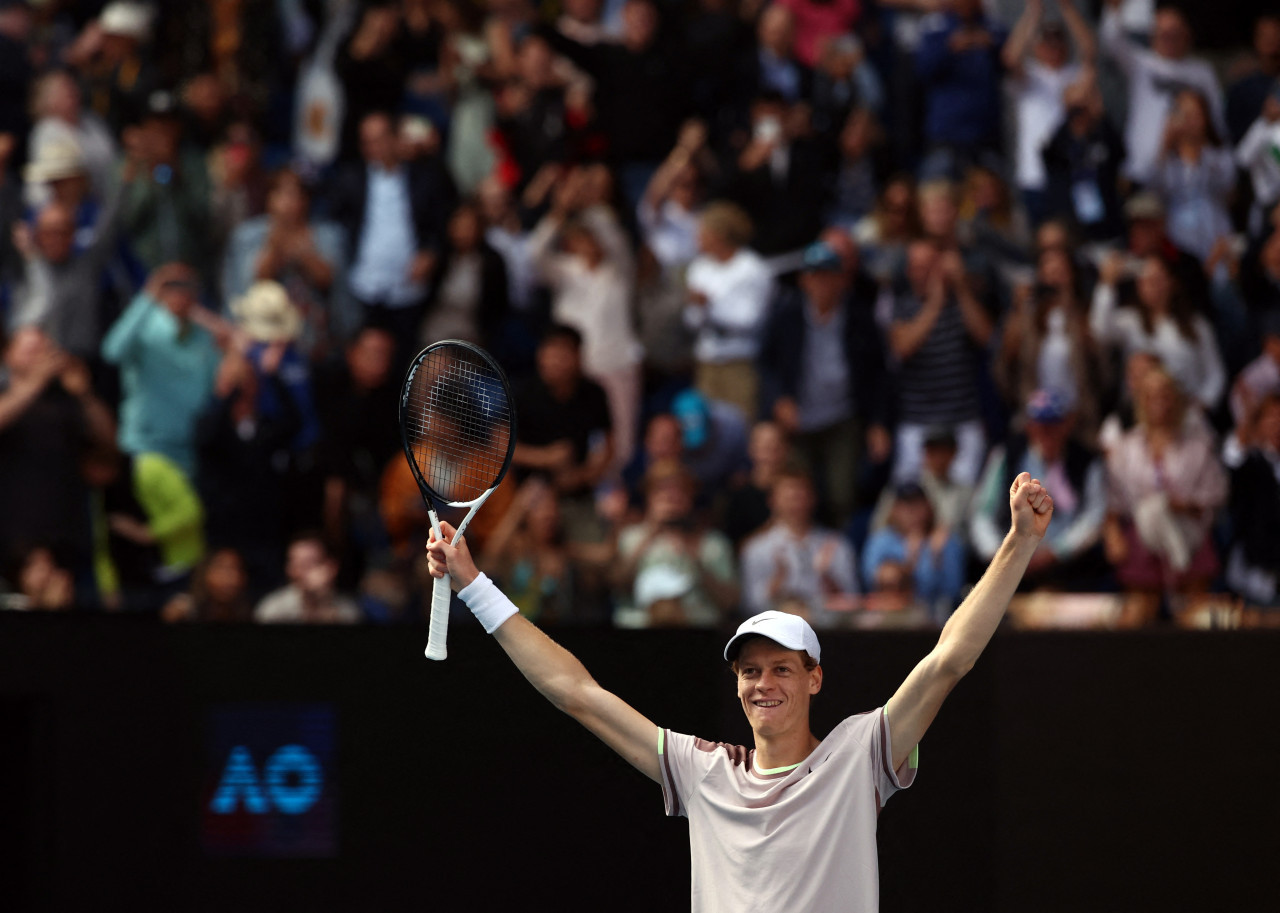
column 168, row 358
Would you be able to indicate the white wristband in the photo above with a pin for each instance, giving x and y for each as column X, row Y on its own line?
column 487, row 603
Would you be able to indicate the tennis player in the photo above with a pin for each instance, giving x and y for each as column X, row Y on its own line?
column 790, row 824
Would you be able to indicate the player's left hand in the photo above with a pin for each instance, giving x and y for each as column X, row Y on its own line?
column 1031, row 506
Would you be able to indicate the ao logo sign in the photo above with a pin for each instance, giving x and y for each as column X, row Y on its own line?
column 290, row 782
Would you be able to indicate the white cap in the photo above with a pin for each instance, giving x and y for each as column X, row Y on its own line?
column 791, row 631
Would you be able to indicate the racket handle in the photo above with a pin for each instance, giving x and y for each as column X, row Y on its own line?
column 439, row 630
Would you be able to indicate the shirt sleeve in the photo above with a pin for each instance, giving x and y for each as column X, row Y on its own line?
column 683, row 764
column 888, row 780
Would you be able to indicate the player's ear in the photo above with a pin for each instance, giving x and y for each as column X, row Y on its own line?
column 815, row 679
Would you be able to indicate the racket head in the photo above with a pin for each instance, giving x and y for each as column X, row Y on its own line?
column 457, row 422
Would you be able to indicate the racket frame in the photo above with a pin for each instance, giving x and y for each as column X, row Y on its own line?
column 438, row 631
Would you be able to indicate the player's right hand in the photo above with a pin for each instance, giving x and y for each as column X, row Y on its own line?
column 454, row 560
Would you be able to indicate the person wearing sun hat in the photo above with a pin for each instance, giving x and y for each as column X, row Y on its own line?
column 273, row 325
column 789, row 824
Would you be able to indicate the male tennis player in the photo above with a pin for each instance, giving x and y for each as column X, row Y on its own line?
column 791, row 824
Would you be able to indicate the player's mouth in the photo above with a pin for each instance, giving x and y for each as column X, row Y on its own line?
column 767, row 704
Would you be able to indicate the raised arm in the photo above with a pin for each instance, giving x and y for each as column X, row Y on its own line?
column 549, row 667
column 913, row 707
column 1023, row 34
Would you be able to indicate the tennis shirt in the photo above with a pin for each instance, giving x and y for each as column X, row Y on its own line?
column 797, row 838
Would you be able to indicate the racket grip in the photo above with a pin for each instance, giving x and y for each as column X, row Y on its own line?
column 439, row 630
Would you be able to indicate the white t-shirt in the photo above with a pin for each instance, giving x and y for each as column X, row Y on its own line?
column 801, row 838
column 737, row 291
column 1040, row 113
column 1153, row 83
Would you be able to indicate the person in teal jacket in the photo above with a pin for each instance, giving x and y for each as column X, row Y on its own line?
column 168, row 358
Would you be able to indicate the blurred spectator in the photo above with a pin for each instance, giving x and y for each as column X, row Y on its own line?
column 244, row 456
column 1195, row 175
column 109, row 54
column 1155, row 77
column 822, row 364
column 747, row 508
column 669, row 571
column 528, row 556
column 843, row 81
column 148, row 527
column 929, row 552
column 718, row 42
column 937, row 327
column 1247, row 95
column 640, row 91
column 948, row 498
column 302, row 254
column 1256, row 153
column 792, row 558
column 856, row 187
column 565, row 432
column 355, row 397
column 15, row 67
column 238, row 185
column 729, row 290
column 469, row 298
column 167, row 359
column 1253, row 567
column 1047, row 343
column 1069, row 558
column 311, row 596
column 781, row 176
column 1148, row 236
column 219, row 592
column 668, row 211
column 713, row 435
column 1041, row 80
column 62, row 119
column 60, row 290
column 507, row 236
column 997, row 235
column 883, row 235
column 530, row 114
column 959, row 62
column 1261, row 377
column 165, row 191
column 817, row 21
column 1082, row 160
column 774, row 68
column 1162, row 323
column 1165, row 482
column 48, row 416
column 374, row 65
column 394, row 217
column 592, row 283
column 42, row 584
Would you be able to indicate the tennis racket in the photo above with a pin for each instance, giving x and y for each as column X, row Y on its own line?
column 458, row 427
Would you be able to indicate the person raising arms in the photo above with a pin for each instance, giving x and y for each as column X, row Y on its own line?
column 813, row 799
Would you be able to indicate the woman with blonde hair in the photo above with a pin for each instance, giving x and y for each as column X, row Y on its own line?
column 729, row 291
column 1165, row 484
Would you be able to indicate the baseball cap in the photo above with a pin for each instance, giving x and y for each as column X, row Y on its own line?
column 791, row 631
column 1047, row 406
column 1144, row 206
column 822, row 257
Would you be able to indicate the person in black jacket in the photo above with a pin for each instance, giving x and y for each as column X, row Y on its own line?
column 823, row 369
column 470, row 295
column 641, row 89
column 394, row 215
column 1253, row 568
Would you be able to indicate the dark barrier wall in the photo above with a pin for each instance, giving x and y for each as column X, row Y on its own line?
column 1068, row 772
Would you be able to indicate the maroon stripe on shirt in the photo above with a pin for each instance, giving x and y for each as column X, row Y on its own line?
column 884, row 748
column 666, row 763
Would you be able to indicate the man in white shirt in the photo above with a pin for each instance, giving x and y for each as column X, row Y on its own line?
column 1040, row 80
column 791, row 823
column 792, row 559
column 1156, row 76
column 729, row 290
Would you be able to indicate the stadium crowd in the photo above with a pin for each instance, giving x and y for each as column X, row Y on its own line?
column 788, row 291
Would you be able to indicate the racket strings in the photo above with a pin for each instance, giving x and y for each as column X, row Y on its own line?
column 459, row 423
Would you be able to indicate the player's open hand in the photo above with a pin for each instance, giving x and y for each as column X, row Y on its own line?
column 1031, row 505
column 454, row 560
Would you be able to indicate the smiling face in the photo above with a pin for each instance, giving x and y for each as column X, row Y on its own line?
column 775, row 688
